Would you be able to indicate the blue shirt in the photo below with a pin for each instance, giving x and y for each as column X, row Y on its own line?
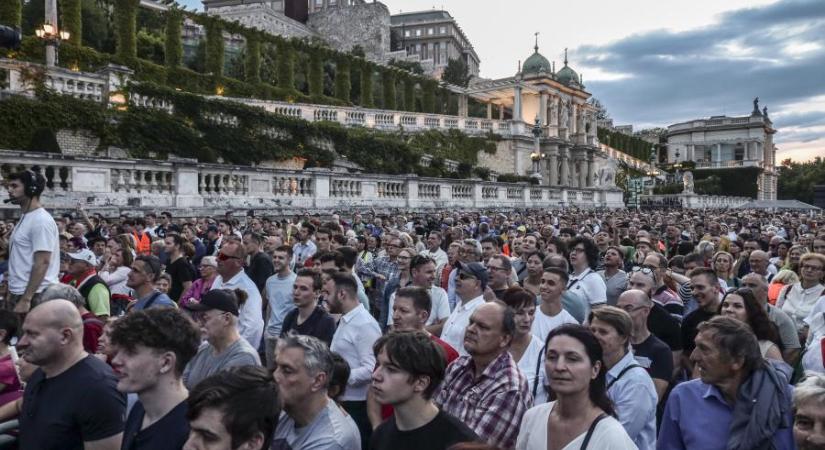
column 634, row 397
column 698, row 417
column 157, row 300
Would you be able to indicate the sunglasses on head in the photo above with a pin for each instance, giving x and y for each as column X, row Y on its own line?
column 644, row 269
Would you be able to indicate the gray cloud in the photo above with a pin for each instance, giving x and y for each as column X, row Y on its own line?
column 675, row 76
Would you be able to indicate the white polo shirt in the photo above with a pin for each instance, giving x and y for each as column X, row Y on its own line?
column 453, row 332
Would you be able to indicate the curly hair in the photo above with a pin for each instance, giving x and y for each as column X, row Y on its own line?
column 165, row 329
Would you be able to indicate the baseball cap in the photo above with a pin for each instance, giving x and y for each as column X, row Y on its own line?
column 84, row 255
column 477, row 270
column 220, row 299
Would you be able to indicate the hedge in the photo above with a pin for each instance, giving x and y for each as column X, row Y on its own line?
column 125, row 14
column 343, row 80
column 70, row 20
column 214, row 48
column 633, row 146
column 173, row 53
column 252, row 60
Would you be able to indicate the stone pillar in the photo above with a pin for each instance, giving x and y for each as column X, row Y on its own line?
column 554, row 166
column 574, row 118
column 717, row 157
column 463, row 105
column 489, row 110
column 543, row 109
column 501, row 111
column 590, row 170
column 565, row 168
column 517, row 103
column 582, row 171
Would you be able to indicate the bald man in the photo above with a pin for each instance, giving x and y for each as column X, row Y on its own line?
column 786, row 326
column 85, row 410
column 760, row 264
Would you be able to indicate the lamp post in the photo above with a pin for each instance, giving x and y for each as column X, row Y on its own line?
column 50, row 33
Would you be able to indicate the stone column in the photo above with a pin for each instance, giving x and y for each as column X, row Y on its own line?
column 463, row 105
column 543, row 109
column 554, row 165
column 565, row 168
column 589, row 169
column 489, row 110
column 717, row 158
column 501, row 111
column 582, row 171
column 517, row 103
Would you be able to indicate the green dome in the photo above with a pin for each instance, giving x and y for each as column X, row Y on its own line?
column 536, row 63
column 566, row 75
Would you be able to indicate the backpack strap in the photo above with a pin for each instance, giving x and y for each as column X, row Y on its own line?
column 151, row 300
column 621, row 374
column 592, row 429
column 538, row 367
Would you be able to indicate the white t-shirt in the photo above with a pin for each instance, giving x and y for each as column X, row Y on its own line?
column 589, row 286
column 544, row 324
column 36, row 231
column 453, row 331
column 608, row 434
column 528, row 363
column 439, row 311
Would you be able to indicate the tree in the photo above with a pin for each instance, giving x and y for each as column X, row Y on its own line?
column 601, row 111
column 409, row 66
column 797, row 180
column 456, row 73
column 10, row 13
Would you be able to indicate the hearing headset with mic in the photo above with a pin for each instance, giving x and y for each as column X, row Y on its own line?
column 34, row 183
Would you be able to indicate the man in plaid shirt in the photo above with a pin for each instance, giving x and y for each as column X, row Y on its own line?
column 383, row 269
column 486, row 390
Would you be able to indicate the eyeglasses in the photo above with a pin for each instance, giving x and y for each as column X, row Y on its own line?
column 224, row 257
column 577, row 250
column 466, row 276
column 644, row 269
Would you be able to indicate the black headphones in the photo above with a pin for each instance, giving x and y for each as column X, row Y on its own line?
column 34, row 183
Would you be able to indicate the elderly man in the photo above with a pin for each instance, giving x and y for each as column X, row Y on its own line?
column 303, row 369
column 760, row 265
column 787, row 329
column 82, row 268
column 471, row 280
column 84, row 410
column 740, row 401
column 809, row 415
column 485, row 389
column 650, row 352
column 231, row 275
column 218, row 313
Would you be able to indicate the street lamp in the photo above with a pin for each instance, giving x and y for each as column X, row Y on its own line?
column 52, row 36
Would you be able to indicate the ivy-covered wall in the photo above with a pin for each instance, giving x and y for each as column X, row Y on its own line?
column 633, row 146
column 125, row 16
column 173, row 44
column 70, row 19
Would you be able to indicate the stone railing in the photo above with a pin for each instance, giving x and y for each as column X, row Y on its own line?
column 97, row 86
column 715, row 122
column 692, row 201
column 382, row 119
column 188, row 188
column 727, row 164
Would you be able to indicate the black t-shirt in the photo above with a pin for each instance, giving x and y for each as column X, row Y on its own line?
column 80, row 405
column 654, row 355
column 181, row 271
column 319, row 324
column 442, row 432
column 260, row 269
column 665, row 327
column 689, row 326
column 168, row 433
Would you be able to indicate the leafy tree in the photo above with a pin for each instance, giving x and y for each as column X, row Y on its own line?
column 409, row 66
column 150, row 46
column 797, row 180
column 456, row 73
column 10, row 13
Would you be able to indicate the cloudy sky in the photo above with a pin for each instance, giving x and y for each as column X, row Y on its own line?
column 654, row 63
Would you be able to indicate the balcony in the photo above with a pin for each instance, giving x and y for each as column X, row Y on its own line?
column 727, row 164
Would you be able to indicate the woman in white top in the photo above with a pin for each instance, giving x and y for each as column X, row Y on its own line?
column 798, row 299
column 585, row 281
column 525, row 348
column 116, row 269
column 582, row 411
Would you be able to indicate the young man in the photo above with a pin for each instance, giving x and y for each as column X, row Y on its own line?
column 304, row 249
column 278, row 291
column 141, row 279
column 410, row 366
column 71, row 401
column 179, row 268
column 550, row 314
column 311, row 420
column 260, row 267
column 307, row 318
column 34, row 249
column 236, row 409
column 217, row 314
column 422, row 271
column 705, row 289
column 153, row 347
column 357, row 332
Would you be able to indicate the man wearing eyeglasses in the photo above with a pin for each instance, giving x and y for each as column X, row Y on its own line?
column 218, row 314
column 232, row 276
column 471, row 280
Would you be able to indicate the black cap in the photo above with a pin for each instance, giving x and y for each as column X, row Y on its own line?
column 219, row 299
column 477, row 270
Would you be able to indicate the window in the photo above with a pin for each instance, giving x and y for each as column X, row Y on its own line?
column 437, row 53
column 424, row 53
column 418, row 32
column 430, row 31
column 443, row 30
column 406, row 33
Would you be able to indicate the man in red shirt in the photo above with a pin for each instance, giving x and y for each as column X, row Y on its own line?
column 410, row 312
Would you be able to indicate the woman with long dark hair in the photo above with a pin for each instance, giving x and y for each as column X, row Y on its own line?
column 742, row 305
column 582, row 416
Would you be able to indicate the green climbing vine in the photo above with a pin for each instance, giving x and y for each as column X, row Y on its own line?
column 70, row 20
column 214, row 47
column 366, row 84
column 11, row 12
column 252, row 59
column 343, row 81
column 173, row 53
column 125, row 15
column 388, row 79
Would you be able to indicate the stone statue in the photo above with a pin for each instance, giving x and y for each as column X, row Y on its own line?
column 565, row 114
column 687, row 181
column 554, row 113
column 756, row 106
column 765, row 111
column 607, row 174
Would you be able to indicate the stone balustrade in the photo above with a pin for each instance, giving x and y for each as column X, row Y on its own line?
column 188, row 188
column 692, row 201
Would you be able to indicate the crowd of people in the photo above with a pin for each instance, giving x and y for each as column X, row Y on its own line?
column 566, row 329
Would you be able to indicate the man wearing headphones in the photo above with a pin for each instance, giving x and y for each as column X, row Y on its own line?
column 34, row 249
